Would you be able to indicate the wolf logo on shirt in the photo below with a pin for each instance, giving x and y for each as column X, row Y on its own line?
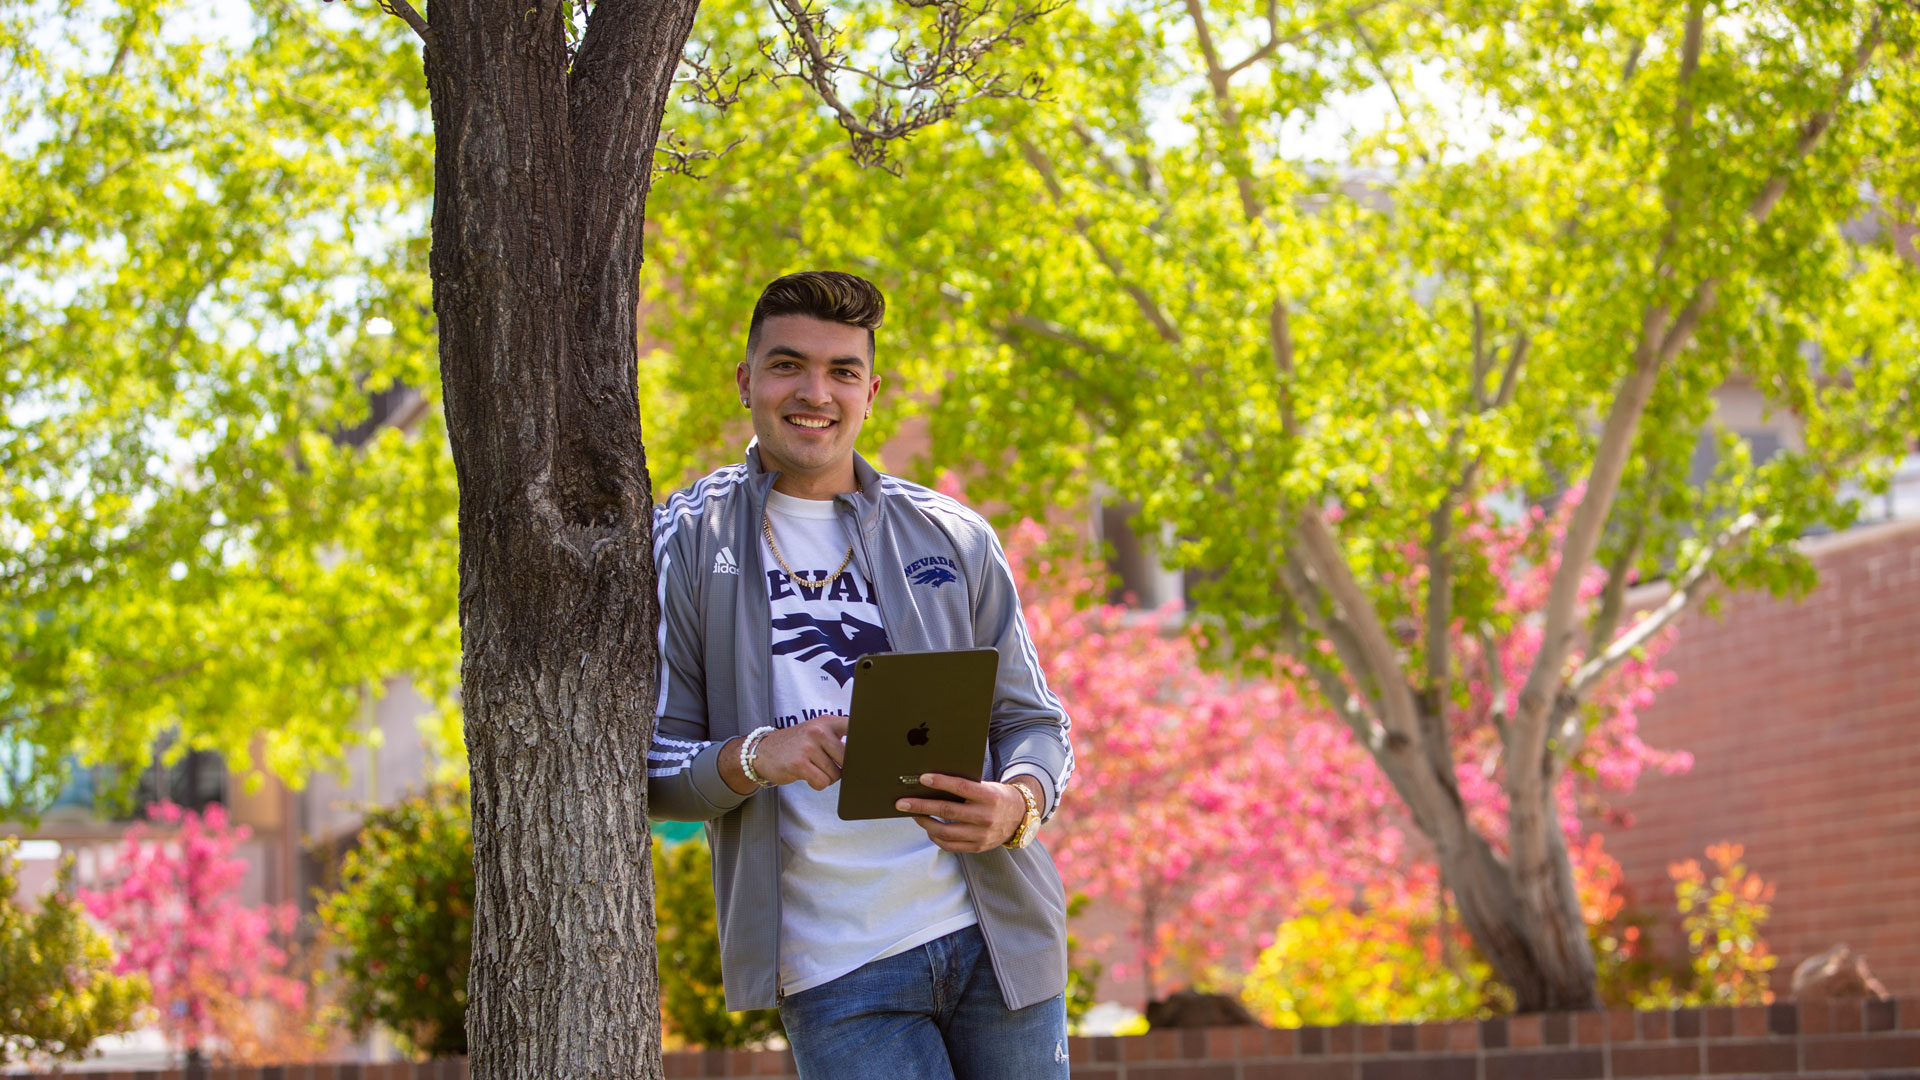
column 839, row 641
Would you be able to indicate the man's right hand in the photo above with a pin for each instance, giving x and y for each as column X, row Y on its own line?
column 812, row 752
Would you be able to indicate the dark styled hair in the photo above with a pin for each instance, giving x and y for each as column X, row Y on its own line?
column 829, row 295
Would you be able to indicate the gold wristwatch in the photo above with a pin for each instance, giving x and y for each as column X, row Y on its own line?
column 1029, row 825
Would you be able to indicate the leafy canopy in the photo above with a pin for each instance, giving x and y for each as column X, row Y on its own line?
column 199, row 227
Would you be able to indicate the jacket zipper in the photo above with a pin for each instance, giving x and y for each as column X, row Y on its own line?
column 966, row 869
column 766, row 703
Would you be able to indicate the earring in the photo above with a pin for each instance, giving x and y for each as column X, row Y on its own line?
column 869, row 415
column 744, row 405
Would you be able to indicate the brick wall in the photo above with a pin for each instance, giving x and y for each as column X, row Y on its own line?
column 1804, row 721
column 1834, row 1040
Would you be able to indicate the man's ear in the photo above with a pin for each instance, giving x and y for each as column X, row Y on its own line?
column 743, row 379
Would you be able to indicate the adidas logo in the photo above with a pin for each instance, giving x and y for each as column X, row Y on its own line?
column 723, row 563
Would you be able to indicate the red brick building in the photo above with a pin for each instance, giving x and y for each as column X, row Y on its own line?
column 1804, row 722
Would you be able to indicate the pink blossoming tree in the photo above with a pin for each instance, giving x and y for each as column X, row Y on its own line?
column 1204, row 802
column 171, row 901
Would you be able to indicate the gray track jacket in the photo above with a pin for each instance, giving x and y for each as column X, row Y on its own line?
column 715, row 642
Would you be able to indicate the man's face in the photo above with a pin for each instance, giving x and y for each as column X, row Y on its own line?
column 809, row 383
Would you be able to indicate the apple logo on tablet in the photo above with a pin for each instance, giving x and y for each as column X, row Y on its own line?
column 917, row 736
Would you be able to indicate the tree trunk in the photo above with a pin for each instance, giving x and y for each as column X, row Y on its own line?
column 540, row 177
column 1535, row 938
column 1538, row 947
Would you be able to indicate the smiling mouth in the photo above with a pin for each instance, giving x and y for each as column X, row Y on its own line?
column 811, row 423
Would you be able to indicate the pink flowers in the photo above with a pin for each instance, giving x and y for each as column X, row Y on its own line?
column 1203, row 804
column 170, row 902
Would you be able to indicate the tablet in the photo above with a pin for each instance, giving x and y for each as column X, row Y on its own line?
column 913, row 713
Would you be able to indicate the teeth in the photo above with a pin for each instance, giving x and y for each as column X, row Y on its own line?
column 806, row 423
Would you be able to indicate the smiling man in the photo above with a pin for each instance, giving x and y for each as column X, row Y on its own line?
column 915, row 947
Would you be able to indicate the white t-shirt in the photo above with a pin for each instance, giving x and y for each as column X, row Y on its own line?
column 851, row 892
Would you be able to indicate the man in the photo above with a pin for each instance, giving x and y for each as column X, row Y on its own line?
column 915, row 947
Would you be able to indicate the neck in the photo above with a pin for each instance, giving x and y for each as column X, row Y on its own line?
column 818, row 486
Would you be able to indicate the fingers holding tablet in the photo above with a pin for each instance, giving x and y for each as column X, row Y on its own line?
column 987, row 815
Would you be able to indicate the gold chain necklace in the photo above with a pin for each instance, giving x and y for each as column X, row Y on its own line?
column 766, row 526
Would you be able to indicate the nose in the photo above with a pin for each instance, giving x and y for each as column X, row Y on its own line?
column 815, row 389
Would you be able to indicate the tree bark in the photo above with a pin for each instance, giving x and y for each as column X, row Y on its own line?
column 541, row 169
column 1540, row 950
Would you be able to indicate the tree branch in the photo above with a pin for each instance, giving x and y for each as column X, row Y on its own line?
column 1814, row 128
column 1497, row 709
column 1275, row 43
column 1053, row 331
column 1480, row 361
column 1440, row 521
column 1440, row 596
column 1337, row 694
column 1382, row 661
column 1597, row 667
column 1087, row 139
column 1441, row 819
column 1632, row 66
column 1219, row 80
column 1613, row 594
column 1527, row 748
column 1431, row 792
column 1811, row 132
column 1280, row 342
column 405, row 12
column 1144, row 301
column 929, row 75
column 1331, row 624
column 1510, row 375
column 1393, row 90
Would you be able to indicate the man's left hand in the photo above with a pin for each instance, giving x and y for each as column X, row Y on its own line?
column 987, row 819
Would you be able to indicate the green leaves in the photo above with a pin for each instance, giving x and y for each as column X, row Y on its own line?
column 693, row 1002
column 403, row 919
column 1083, row 299
column 199, row 228
column 58, row 990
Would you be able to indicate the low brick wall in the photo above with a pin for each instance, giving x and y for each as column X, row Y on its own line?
column 1833, row 1040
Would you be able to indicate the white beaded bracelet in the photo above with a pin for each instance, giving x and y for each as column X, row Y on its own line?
column 747, row 747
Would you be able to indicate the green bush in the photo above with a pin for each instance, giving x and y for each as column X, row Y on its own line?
column 403, row 921
column 693, row 1005
column 58, row 992
column 1083, row 973
column 1722, row 913
column 1389, row 962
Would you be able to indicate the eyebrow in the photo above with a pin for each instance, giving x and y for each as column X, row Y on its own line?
column 788, row 350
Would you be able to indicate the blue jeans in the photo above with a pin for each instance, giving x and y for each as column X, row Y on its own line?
column 931, row 1013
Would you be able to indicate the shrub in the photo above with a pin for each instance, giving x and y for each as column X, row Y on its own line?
column 58, row 990
column 1721, row 915
column 403, row 920
column 1083, row 972
column 1387, row 959
column 1625, row 964
column 693, row 1004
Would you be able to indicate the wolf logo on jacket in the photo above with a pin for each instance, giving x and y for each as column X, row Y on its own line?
column 933, row 571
